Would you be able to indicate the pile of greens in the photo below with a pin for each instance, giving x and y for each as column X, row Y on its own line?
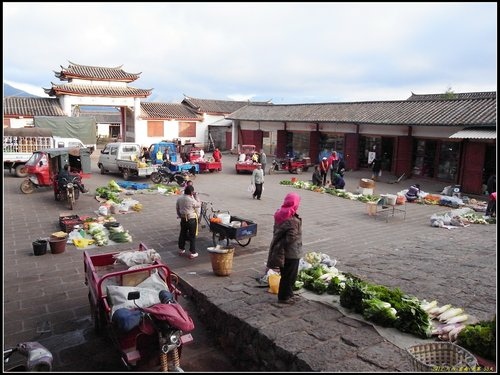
column 388, row 307
column 110, row 192
column 480, row 339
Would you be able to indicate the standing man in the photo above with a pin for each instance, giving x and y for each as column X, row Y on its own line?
column 333, row 161
column 187, row 207
column 263, row 160
column 257, row 181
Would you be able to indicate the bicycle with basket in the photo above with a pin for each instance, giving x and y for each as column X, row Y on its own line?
column 228, row 228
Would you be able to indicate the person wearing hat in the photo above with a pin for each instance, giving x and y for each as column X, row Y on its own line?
column 257, row 181
column 324, row 166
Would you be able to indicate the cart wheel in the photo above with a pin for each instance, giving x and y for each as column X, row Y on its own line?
column 220, row 239
column 244, row 242
column 298, row 170
column 27, row 187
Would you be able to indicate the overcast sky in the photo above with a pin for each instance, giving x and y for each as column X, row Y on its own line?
column 283, row 52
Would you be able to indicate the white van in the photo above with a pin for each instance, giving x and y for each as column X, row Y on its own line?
column 118, row 151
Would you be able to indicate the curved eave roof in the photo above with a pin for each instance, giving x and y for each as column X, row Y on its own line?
column 87, row 90
column 168, row 111
column 432, row 113
column 95, row 73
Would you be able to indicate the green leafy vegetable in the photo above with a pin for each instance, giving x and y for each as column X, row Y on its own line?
column 480, row 339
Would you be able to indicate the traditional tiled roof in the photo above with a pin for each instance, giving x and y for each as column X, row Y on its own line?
column 452, row 95
column 15, row 106
column 216, row 106
column 95, row 73
column 171, row 111
column 455, row 112
column 87, row 90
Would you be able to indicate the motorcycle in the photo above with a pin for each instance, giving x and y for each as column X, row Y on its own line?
column 166, row 320
column 290, row 165
column 30, row 356
column 67, row 191
column 163, row 175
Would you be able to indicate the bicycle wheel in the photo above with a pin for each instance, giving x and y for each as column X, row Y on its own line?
column 220, row 239
column 244, row 242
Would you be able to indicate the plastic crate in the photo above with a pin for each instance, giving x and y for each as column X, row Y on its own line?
column 67, row 223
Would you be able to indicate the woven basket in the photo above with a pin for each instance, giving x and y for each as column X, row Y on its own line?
column 441, row 356
column 222, row 263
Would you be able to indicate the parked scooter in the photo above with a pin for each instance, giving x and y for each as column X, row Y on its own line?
column 165, row 176
column 30, row 356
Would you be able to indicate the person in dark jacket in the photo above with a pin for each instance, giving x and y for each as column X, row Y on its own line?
column 285, row 250
column 338, row 181
column 66, row 176
column 341, row 167
column 376, row 168
column 412, row 193
column 317, row 179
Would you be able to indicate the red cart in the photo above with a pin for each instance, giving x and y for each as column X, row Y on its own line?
column 154, row 343
column 209, row 166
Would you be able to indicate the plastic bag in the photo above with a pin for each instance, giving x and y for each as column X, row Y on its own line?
column 274, row 283
column 251, row 188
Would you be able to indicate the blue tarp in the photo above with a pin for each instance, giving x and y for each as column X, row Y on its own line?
column 132, row 185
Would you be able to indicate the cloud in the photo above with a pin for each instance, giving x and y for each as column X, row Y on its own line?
column 299, row 52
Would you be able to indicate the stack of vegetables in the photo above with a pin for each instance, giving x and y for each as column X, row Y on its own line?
column 118, row 234
column 390, row 307
column 110, row 192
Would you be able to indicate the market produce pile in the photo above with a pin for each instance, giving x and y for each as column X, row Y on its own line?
column 391, row 307
column 469, row 217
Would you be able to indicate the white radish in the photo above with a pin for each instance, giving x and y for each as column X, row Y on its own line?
column 436, row 311
column 450, row 313
column 426, row 306
column 458, row 319
column 453, row 335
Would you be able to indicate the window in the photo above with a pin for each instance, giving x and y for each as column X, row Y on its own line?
column 187, row 129
column 155, row 129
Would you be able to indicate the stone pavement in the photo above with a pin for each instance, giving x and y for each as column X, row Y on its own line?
column 47, row 293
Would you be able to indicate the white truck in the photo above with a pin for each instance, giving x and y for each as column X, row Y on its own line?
column 20, row 143
column 123, row 158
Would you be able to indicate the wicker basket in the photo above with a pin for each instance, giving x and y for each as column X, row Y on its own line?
column 441, row 356
column 222, row 263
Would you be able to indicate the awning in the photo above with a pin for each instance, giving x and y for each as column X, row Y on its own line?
column 475, row 133
column 222, row 122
